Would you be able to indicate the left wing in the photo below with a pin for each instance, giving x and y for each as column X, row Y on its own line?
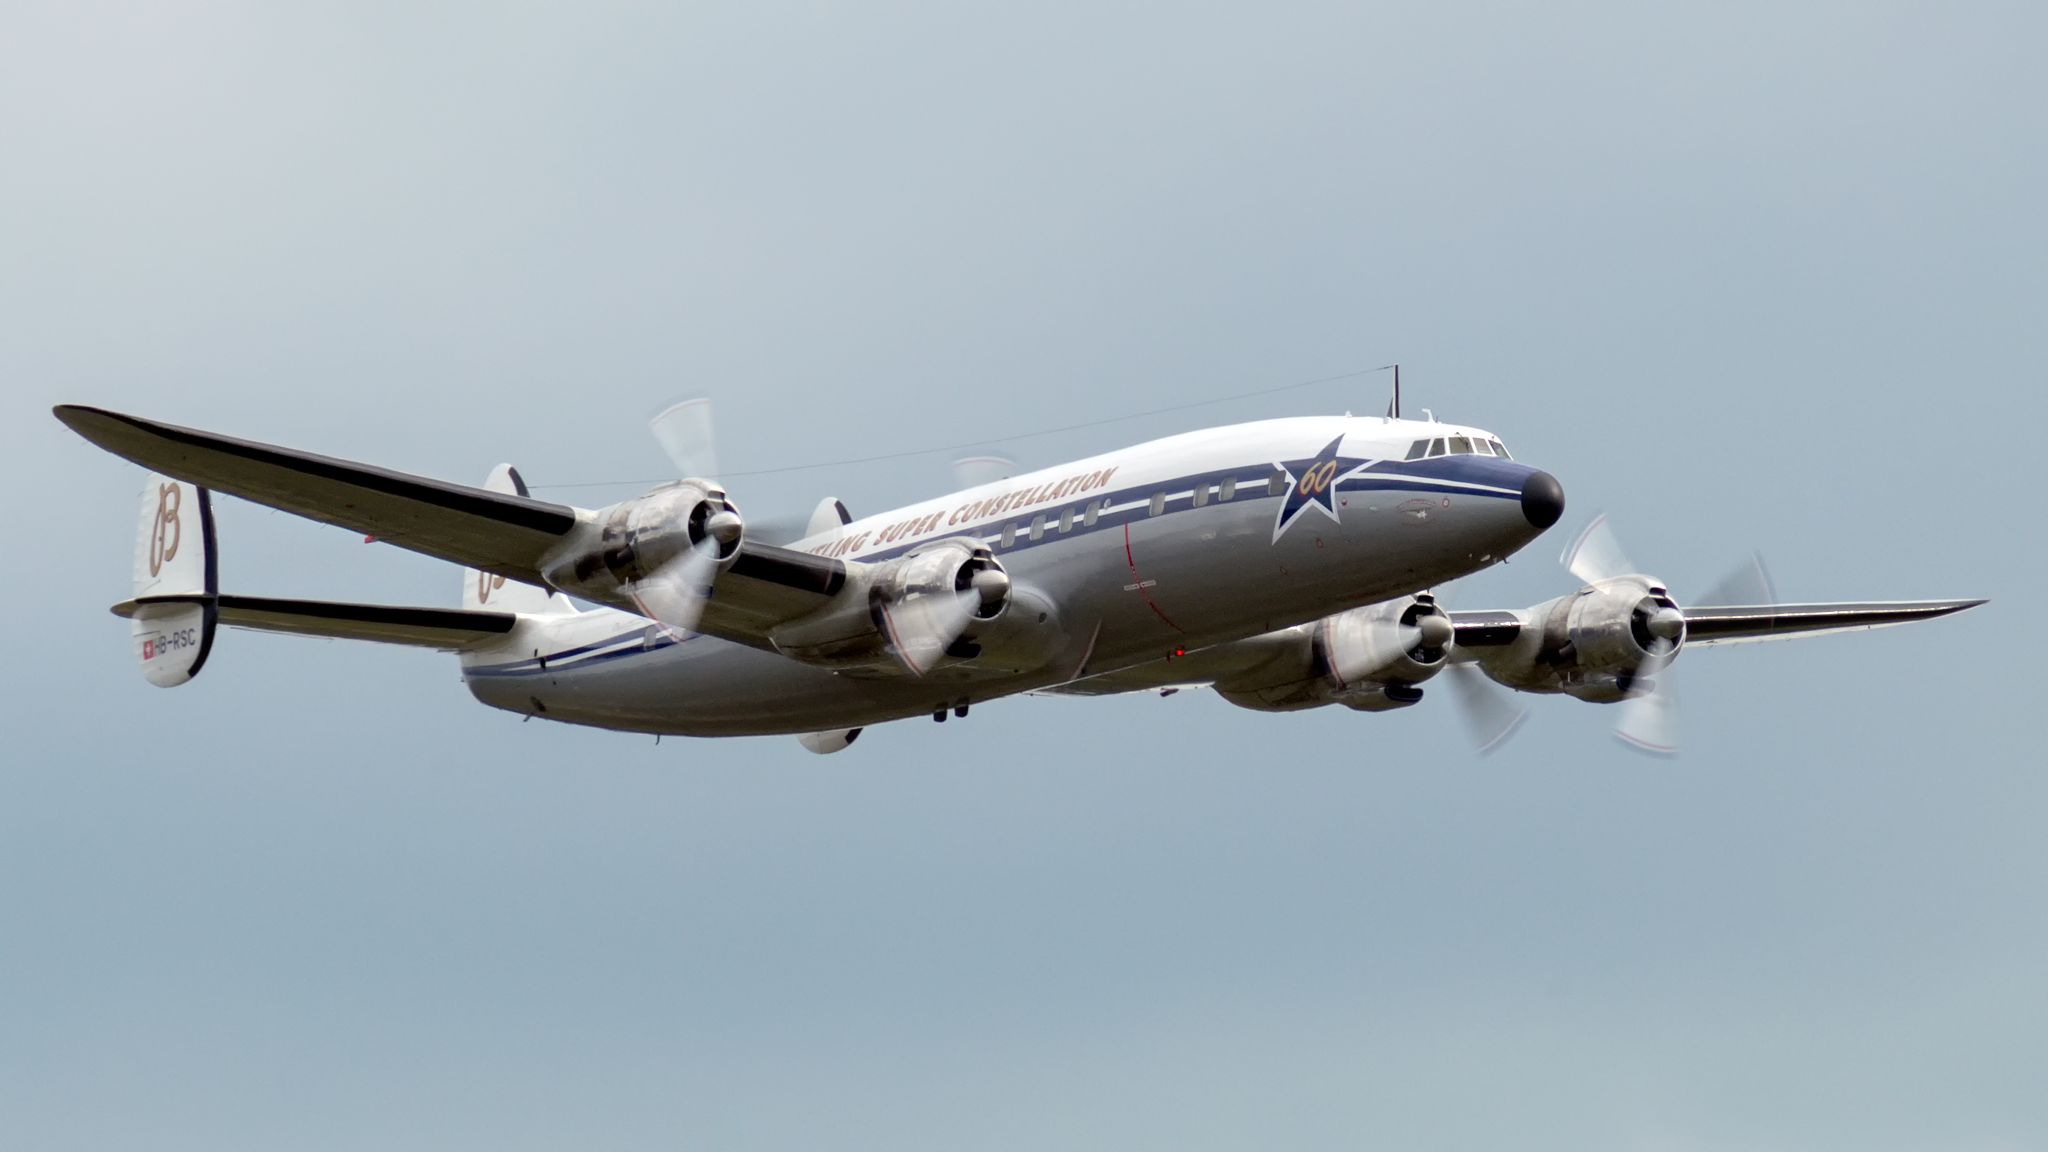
column 499, row 532
column 496, row 532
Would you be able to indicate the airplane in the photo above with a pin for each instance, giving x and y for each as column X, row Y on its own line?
column 1287, row 563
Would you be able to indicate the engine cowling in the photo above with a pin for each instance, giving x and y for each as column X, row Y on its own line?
column 635, row 537
column 1402, row 641
column 1371, row 659
column 1594, row 644
column 904, row 607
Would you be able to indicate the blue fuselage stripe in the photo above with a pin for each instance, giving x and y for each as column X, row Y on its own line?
column 1449, row 475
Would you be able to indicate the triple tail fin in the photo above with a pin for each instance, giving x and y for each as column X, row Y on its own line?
column 178, row 566
column 488, row 590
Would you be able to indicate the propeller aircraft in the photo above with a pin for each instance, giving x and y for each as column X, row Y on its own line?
column 1287, row 564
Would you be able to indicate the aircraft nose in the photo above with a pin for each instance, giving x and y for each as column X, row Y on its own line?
column 1542, row 500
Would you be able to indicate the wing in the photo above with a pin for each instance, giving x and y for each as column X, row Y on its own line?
column 497, row 532
column 1748, row 624
column 1740, row 624
column 493, row 531
column 447, row 629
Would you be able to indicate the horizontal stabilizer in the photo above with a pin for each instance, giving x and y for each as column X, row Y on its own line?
column 446, row 629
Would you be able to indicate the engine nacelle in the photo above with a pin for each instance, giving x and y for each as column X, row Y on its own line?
column 914, row 599
column 1403, row 641
column 635, row 537
column 1595, row 644
column 1369, row 659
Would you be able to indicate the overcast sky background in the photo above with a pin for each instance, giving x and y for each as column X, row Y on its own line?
column 1743, row 275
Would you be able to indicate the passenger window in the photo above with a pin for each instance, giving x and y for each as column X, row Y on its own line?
column 1276, row 484
column 1066, row 519
column 1038, row 526
column 1417, row 449
column 1094, row 507
column 1009, row 535
column 1158, row 503
column 1229, row 488
column 1201, row 495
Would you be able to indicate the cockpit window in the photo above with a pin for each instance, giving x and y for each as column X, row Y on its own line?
column 1461, row 446
column 1480, row 447
column 1416, row 450
column 1436, row 446
column 1501, row 450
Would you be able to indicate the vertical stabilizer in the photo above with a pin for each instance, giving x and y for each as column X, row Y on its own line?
column 176, row 580
column 491, row 591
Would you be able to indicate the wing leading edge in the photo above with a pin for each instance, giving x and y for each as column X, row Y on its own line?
column 1740, row 624
column 497, row 532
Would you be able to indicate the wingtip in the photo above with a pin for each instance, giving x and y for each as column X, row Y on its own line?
column 78, row 417
column 1951, row 607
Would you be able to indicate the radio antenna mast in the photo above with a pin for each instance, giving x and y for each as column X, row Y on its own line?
column 1394, row 405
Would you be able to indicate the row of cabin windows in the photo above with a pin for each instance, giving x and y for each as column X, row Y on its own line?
column 1226, row 489
column 1457, row 446
column 1087, row 515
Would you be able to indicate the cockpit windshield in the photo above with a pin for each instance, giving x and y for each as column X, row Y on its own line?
column 1457, row 446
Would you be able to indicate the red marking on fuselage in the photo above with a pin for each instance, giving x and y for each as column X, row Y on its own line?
column 1143, row 589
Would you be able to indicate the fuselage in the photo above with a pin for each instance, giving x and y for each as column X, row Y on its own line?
column 1132, row 556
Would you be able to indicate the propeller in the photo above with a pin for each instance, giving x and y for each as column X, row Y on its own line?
column 1423, row 632
column 684, row 432
column 1596, row 555
column 924, row 627
column 974, row 471
column 1489, row 712
column 1649, row 716
column 674, row 594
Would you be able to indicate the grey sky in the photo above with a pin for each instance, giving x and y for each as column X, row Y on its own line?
column 1744, row 276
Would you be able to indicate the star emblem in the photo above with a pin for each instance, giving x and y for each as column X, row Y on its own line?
column 1312, row 483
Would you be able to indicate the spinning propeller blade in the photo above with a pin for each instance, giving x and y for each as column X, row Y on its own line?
column 1649, row 717
column 684, row 432
column 1491, row 714
column 920, row 630
column 1649, row 720
column 673, row 595
column 1596, row 555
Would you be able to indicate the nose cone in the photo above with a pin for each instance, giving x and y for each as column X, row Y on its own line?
column 1542, row 500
